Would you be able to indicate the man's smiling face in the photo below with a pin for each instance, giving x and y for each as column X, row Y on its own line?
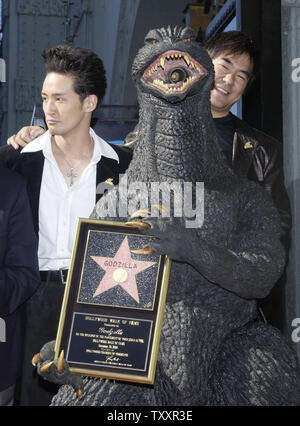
column 232, row 73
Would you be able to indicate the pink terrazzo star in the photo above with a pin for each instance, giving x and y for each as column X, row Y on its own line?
column 121, row 270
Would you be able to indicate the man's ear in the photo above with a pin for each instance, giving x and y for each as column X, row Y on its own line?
column 90, row 103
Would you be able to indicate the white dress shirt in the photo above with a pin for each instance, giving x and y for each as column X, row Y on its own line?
column 60, row 206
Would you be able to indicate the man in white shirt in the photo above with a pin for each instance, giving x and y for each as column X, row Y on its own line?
column 63, row 168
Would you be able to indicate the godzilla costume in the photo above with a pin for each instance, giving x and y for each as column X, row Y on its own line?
column 213, row 350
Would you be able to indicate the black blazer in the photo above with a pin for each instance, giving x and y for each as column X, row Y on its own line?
column 19, row 274
column 30, row 165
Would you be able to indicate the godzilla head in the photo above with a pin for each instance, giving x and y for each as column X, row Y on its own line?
column 172, row 65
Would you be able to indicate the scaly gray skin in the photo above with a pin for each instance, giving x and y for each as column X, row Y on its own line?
column 212, row 349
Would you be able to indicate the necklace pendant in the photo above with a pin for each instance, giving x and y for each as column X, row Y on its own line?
column 72, row 175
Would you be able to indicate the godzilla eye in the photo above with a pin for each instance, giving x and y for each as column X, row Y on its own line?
column 177, row 75
column 154, row 41
column 188, row 39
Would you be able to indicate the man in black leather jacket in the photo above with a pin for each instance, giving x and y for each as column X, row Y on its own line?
column 250, row 152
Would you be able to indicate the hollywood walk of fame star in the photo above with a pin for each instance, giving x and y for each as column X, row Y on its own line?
column 121, row 270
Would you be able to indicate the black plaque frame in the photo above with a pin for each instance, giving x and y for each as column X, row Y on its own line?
column 112, row 339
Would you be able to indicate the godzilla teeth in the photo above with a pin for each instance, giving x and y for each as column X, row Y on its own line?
column 153, row 69
column 187, row 60
column 166, row 88
column 163, row 59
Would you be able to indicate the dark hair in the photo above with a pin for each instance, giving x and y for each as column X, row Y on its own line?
column 82, row 64
column 232, row 43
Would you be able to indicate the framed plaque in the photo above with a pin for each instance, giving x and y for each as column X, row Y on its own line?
column 113, row 304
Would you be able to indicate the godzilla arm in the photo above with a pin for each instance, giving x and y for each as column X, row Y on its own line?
column 253, row 262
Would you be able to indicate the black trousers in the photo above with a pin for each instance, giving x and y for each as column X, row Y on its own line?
column 42, row 316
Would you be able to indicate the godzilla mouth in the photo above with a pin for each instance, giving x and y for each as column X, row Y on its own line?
column 174, row 72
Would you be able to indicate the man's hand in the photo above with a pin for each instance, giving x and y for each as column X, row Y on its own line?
column 25, row 136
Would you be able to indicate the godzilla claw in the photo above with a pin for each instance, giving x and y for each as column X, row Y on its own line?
column 79, row 392
column 140, row 225
column 140, row 213
column 145, row 250
column 56, row 370
column 60, row 366
column 36, row 358
column 161, row 209
column 45, row 368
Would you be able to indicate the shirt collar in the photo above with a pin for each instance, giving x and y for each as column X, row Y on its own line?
column 102, row 148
